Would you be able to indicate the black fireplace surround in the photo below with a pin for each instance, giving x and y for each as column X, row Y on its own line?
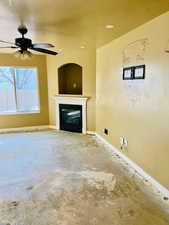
column 70, row 117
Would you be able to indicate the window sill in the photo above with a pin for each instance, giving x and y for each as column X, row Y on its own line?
column 16, row 113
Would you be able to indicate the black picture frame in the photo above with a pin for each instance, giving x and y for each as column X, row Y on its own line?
column 141, row 72
column 134, row 72
column 128, row 73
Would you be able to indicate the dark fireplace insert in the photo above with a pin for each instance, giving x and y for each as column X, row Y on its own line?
column 70, row 117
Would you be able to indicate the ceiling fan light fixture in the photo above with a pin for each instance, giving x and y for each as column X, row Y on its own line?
column 23, row 55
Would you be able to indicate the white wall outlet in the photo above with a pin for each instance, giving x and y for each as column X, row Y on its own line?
column 125, row 142
column 121, row 141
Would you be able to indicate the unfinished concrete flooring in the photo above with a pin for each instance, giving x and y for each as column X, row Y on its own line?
column 59, row 178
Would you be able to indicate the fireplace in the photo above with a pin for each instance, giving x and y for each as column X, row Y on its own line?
column 71, row 113
column 70, row 117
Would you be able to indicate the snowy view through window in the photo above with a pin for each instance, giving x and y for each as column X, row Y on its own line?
column 18, row 89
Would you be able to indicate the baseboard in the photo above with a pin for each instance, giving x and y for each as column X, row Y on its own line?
column 52, row 127
column 22, row 129
column 160, row 192
column 91, row 132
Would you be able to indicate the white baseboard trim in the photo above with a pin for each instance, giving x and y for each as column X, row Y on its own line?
column 91, row 132
column 22, row 129
column 53, row 127
column 161, row 193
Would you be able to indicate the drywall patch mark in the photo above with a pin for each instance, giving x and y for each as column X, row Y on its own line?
column 134, row 92
column 134, row 53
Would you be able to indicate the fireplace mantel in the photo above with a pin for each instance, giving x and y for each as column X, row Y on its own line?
column 72, row 100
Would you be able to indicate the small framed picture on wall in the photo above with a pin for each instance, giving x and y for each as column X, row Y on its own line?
column 128, row 73
column 139, row 72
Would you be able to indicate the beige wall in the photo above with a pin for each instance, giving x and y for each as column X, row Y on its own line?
column 138, row 109
column 86, row 59
column 35, row 119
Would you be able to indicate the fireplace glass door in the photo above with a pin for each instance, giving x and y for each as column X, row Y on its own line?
column 70, row 117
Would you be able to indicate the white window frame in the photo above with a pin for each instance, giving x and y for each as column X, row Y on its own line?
column 38, row 92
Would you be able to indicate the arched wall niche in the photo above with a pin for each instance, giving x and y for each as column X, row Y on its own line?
column 70, row 79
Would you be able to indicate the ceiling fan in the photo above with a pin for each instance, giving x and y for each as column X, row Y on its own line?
column 25, row 44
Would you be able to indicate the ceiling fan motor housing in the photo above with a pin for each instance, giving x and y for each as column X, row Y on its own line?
column 23, row 43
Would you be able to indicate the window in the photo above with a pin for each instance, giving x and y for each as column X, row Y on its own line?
column 18, row 90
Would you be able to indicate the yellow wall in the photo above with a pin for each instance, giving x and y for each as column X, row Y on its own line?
column 35, row 119
column 86, row 59
column 138, row 109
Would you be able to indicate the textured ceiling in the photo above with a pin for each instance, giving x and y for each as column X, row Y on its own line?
column 76, row 22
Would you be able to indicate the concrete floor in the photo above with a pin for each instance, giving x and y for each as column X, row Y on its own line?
column 59, row 178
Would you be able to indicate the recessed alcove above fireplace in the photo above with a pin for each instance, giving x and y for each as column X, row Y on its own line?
column 70, row 79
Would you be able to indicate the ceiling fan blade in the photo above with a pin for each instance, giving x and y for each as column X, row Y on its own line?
column 6, row 42
column 9, row 47
column 43, row 45
column 167, row 51
column 44, row 51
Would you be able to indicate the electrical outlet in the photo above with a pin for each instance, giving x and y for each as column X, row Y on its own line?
column 121, row 141
column 106, row 131
column 125, row 142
